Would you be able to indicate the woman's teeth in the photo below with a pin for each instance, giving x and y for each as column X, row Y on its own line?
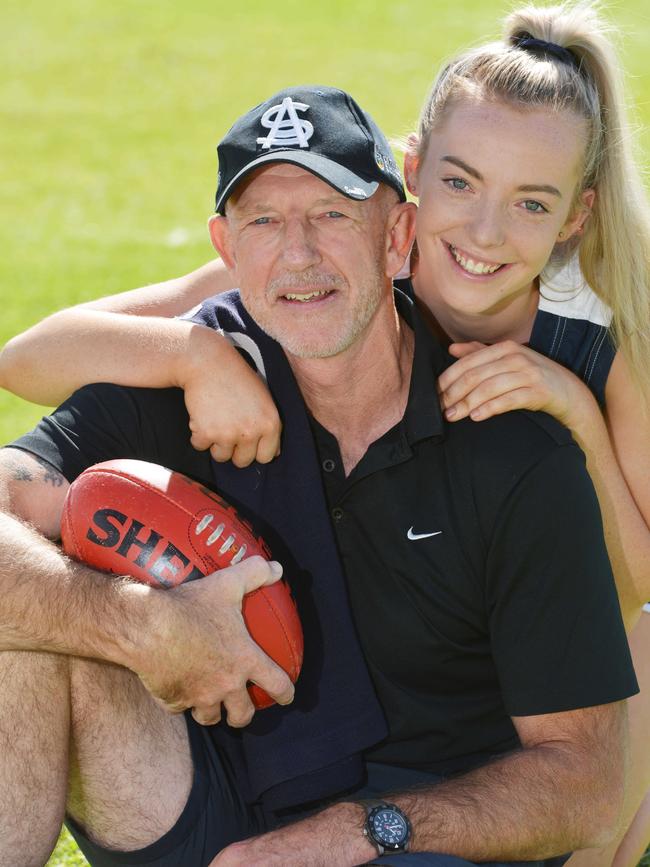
column 470, row 265
column 306, row 296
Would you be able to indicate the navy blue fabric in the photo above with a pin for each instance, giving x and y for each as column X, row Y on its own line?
column 584, row 347
column 214, row 816
column 311, row 749
column 314, row 750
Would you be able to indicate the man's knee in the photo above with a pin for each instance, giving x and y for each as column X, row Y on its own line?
column 129, row 758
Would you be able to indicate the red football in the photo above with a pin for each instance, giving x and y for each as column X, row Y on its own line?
column 162, row 528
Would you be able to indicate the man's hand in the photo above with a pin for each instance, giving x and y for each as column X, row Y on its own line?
column 189, row 645
column 199, row 653
column 331, row 837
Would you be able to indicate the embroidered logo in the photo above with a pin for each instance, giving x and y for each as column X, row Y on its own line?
column 355, row 192
column 286, row 128
column 413, row 536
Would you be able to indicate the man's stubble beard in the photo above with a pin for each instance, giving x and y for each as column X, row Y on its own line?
column 367, row 299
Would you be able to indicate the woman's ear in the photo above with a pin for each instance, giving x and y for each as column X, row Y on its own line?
column 411, row 164
column 579, row 216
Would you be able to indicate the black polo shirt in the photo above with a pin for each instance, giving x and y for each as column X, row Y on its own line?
column 477, row 573
column 474, row 556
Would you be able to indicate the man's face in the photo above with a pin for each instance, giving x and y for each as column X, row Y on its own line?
column 310, row 263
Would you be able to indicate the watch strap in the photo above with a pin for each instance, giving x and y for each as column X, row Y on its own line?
column 371, row 803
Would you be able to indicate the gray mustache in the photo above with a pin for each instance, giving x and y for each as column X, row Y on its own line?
column 306, row 281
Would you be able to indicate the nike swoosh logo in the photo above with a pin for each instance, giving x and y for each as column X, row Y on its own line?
column 413, row 536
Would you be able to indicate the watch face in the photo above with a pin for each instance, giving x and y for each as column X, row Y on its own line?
column 389, row 827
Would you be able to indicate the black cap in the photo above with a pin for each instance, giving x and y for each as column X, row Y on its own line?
column 320, row 129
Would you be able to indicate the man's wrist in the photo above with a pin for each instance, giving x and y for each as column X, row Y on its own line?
column 138, row 618
column 113, row 617
column 387, row 827
column 350, row 817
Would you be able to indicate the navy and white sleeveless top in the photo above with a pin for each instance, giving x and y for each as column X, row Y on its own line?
column 572, row 328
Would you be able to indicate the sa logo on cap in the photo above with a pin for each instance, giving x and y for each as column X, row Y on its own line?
column 286, row 128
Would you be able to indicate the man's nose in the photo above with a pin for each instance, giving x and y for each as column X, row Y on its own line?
column 300, row 249
column 487, row 227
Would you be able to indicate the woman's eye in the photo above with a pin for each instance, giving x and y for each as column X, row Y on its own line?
column 534, row 207
column 457, row 183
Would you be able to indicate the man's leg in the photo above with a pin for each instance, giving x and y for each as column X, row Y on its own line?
column 34, row 724
column 130, row 764
column 92, row 729
column 144, row 782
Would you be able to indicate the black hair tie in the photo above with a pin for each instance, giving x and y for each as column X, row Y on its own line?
column 563, row 54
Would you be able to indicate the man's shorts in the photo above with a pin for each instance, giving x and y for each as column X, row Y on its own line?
column 216, row 815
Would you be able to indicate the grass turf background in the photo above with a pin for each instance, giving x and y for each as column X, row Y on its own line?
column 110, row 114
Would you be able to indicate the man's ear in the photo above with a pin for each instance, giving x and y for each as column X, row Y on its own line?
column 221, row 239
column 400, row 234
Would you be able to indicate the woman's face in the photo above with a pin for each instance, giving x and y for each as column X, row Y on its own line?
column 496, row 192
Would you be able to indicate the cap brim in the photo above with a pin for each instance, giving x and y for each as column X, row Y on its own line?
column 332, row 173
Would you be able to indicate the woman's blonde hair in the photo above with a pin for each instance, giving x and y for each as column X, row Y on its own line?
column 562, row 58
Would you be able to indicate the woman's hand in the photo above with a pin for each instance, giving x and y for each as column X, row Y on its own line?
column 231, row 410
column 489, row 380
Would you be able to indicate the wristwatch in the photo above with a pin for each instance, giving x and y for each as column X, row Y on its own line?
column 386, row 826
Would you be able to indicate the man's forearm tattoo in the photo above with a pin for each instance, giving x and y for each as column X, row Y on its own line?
column 21, row 474
column 50, row 475
column 18, row 471
column 21, row 470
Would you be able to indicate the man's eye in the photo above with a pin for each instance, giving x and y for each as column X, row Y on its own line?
column 261, row 221
column 534, row 207
column 334, row 214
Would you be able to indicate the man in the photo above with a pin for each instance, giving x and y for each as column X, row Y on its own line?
column 482, row 594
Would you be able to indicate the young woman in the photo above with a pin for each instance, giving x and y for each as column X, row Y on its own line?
column 525, row 184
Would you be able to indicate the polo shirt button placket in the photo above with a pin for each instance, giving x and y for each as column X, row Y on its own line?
column 329, row 465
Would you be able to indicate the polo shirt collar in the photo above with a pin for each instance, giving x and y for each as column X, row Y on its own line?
column 423, row 416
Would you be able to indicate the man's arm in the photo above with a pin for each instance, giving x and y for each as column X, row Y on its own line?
column 561, row 791
column 189, row 645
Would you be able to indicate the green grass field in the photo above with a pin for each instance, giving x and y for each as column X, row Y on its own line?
column 110, row 114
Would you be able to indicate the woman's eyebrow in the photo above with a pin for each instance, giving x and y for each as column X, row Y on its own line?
column 524, row 188
column 463, row 165
column 540, row 188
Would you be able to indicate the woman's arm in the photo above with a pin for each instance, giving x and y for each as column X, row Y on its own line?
column 88, row 342
column 129, row 339
column 628, row 424
column 490, row 380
